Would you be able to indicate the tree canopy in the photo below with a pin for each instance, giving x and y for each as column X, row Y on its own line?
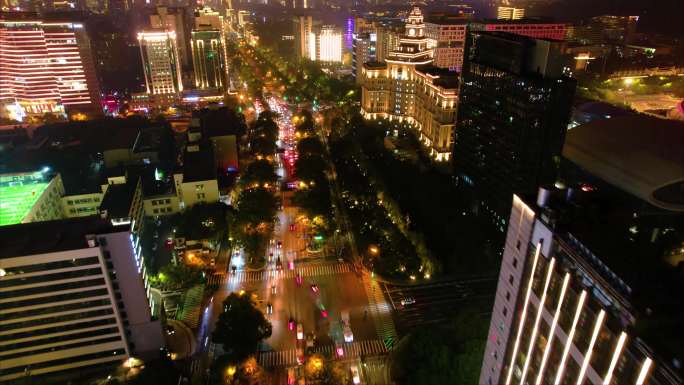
column 259, row 172
column 240, row 327
column 449, row 354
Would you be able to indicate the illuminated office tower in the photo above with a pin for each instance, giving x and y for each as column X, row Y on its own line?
column 173, row 19
column 510, row 13
column 46, row 67
column 576, row 300
column 303, row 30
column 326, row 46
column 159, row 55
column 515, row 103
column 208, row 50
column 446, row 37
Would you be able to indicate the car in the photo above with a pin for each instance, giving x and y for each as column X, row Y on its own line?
column 356, row 378
column 291, row 378
column 300, row 331
column 170, row 330
column 310, row 338
column 314, row 288
column 346, row 327
column 300, row 355
column 269, row 308
column 407, row 301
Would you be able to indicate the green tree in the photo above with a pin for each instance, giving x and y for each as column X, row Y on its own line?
column 311, row 168
column 450, row 354
column 240, row 328
column 262, row 146
column 178, row 276
column 260, row 172
column 256, row 206
column 305, row 125
column 310, row 146
column 203, row 221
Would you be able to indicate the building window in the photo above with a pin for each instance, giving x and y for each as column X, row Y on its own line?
column 510, row 279
column 515, row 262
column 508, row 296
column 517, row 246
column 505, row 311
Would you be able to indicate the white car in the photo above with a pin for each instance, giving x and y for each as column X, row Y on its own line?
column 346, row 327
column 356, row 379
column 300, row 332
column 407, row 301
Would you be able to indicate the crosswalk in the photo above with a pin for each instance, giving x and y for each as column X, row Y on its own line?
column 305, row 271
column 366, row 348
column 382, row 312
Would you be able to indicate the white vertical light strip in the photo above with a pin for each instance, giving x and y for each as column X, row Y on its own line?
column 613, row 362
column 535, row 329
column 523, row 315
column 568, row 341
column 554, row 323
column 587, row 355
column 645, row 367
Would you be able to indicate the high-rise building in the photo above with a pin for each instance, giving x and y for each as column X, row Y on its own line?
column 514, row 110
column 209, row 50
column 510, row 13
column 73, row 298
column 407, row 88
column 161, row 65
column 326, row 45
column 364, row 49
column 303, row 30
column 589, row 284
column 446, row 39
column 46, row 67
column 538, row 29
column 174, row 20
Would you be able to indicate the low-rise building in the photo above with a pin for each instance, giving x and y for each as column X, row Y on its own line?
column 30, row 197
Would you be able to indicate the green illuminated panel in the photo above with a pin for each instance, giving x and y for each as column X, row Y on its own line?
column 17, row 199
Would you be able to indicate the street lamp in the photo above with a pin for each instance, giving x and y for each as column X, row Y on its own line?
column 373, row 250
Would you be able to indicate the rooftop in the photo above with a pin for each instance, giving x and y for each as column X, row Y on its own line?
column 637, row 153
column 118, row 199
column 374, row 65
column 18, row 194
column 50, row 236
column 199, row 165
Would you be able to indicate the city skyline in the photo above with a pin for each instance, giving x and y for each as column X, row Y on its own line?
column 340, row 192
